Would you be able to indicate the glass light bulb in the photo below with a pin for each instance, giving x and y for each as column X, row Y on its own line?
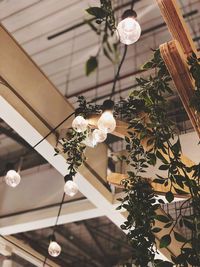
column 129, row 31
column 54, row 249
column 12, row 178
column 99, row 135
column 90, row 140
column 80, row 124
column 70, row 188
column 106, row 122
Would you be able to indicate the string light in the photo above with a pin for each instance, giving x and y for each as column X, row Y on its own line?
column 70, row 187
column 129, row 29
column 12, row 178
column 80, row 124
column 90, row 140
column 107, row 122
column 54, row 248
column 99, row 135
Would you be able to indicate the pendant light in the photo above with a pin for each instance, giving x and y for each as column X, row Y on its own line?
column 90, row 140
column 99, row 135
column 129, row 29
column 70, row 187
column 80, row 124
column 12, row 177
column 107, row 122
column 54, row 248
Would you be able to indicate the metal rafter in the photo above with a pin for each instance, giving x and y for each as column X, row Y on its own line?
column 82, row 247
column 98, row 244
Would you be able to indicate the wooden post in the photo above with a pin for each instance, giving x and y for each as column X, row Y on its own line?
column 176, row 63
column 176, row 24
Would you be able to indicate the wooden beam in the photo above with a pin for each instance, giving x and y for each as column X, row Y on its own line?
column 176, row 63
column 176, row 24
column 117, row 178
column 32, row 106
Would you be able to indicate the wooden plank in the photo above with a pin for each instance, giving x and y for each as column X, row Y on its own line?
column 31, row 84
column 177, row 25
column 117, row 178
column 176, row 63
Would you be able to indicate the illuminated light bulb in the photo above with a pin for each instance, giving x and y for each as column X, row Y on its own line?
column 70, row 187
column 54, row 249
column 107, row 122
column 90, row 140
column 129, row 30
column 99, row 135
column 80, row 124
column 12, row 178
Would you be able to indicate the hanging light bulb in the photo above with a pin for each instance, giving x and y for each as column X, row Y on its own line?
column 70, row 187
column 90, row 140
column 129, row 29
column 99, row 135
column 107, row 122
column 80, row 124
column 54, row 248
column 12, row 178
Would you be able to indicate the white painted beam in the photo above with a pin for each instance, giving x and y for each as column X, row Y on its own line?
column 29, row 221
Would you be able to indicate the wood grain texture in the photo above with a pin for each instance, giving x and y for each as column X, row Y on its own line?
column 176, row 63
column 176, row 24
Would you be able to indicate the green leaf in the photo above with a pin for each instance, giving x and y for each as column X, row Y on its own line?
column 160, row 263
column 168, row 225
column 169, row 196
column 164, row 167
column 161, row 157
column 165, row 241
column 148, row 65
column 156, row 230
column 180, row 192
column 163, row 218
column 98, row 12
column 179, row 237
column 91, row 65
column 159, row 181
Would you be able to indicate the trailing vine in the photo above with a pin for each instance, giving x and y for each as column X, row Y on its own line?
column 103, row 24
column 194, row 64
column 151, row 139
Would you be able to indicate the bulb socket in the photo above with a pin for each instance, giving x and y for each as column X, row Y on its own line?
column 9, row 166
column 108, row 105
column 52, row 238
column 129, row 13
column 68, row 177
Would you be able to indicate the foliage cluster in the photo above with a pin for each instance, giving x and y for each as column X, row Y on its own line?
column 151, row 141
column 194, row 64
column 103, row 24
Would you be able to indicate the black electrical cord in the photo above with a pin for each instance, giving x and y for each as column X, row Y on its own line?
column 54, row 228
column 132, row 4
column 54, row 129
column 118, row 71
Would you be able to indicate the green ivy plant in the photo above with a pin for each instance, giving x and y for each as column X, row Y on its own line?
column 152, row 139
column 103, row 24
column 194, row 64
